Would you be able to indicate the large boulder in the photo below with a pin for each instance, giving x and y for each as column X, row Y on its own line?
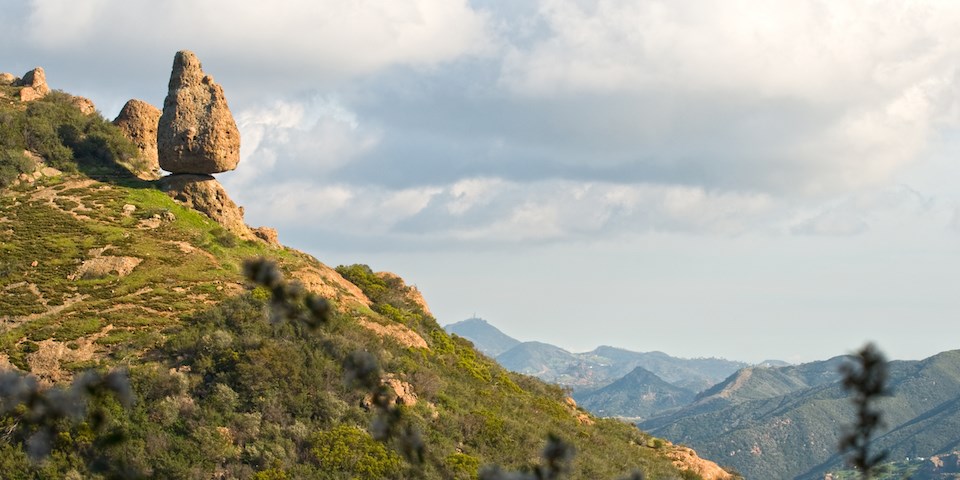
column 205, row 194
column 34, row 85
column 197, row 133
column 138, row 121
column 8, row 79
column 84, row 104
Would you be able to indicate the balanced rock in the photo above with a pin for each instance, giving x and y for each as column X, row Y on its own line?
column 197, row 133
column 205, row 194
column 138, row 121
column 34, row 85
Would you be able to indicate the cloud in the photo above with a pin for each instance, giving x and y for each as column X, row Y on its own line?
column 299, row 139
column 490, row 211
column 552, row 120
column 805, row 97
column 832, row 223
column 293, row 44
column 891, row 207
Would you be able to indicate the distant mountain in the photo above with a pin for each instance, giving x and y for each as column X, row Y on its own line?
column 694, row 374
column 785, row 422
column 674, row 381
column 536, row 358
column 602, row 366
column 638, row 395
column 772, row 363
column 485, row 337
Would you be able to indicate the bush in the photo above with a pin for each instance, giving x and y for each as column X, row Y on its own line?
column 55, row 129
column 349, row 449
column 13, row 163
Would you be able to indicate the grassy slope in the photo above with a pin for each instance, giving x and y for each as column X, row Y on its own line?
column 220, row 388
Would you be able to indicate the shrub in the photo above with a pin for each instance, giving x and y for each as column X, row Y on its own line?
column 12, row 164
column 352, row 450
column 463, row 464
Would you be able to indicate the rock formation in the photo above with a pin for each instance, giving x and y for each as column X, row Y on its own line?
column 8, row 78
column 196, row 136
column 34, row 85
column 196, row 132
column 204, row 194
column 267, row 234
column 84, row 104
column 138, row 121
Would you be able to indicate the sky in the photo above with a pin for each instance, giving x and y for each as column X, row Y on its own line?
column 742, row 179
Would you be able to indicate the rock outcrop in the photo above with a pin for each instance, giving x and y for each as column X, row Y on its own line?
column 34, row 85
column 686, row 459
column 268, row 235
column 84, row 104
column 138, row 121
column 205, row 194
column 8, row 79
column 196, row 132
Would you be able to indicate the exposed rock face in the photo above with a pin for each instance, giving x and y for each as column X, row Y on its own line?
column 197, row 133
column 138, row 120
column 397, row 331
column 326, row 282
column 101, row 267
column 267, row 234
column 686, row 459
column 205, row 194
column 34, row 85
column 941, row 465
column 84, row 104
column 8, row 79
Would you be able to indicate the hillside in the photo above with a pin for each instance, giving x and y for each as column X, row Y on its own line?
column 485, row 337
column 784, row 422
column 101, row 269
column 637, row 395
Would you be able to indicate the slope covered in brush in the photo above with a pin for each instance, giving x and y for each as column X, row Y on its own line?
column 101, row 270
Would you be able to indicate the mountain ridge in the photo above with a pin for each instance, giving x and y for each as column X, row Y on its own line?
column 790, row 430
column 485, row 337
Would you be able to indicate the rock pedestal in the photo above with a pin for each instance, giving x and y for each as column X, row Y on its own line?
column 196, row 132
column 205, row 194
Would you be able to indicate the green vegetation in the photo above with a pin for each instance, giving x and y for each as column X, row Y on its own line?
column 350, row 449
column 221, row 385
column 12, row 164
column 68, row 140
column 253, row 397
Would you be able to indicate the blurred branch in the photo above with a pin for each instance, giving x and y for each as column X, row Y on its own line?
column 866, row 378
